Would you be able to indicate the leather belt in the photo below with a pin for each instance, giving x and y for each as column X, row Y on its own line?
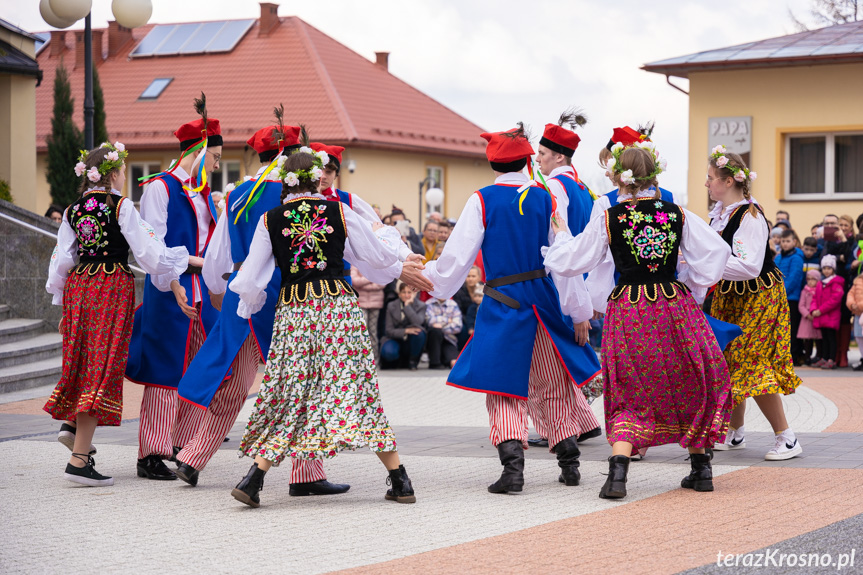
column 236, row 268
column 194, row 270
column 489, row 286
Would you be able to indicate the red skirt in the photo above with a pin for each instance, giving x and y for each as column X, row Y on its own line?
column 97, row 325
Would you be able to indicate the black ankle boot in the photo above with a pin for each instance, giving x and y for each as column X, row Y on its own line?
column 401, row 491
column 615, row 485
column 511, row 455
column 567, row 459
column 249, row 486
column 701, row 476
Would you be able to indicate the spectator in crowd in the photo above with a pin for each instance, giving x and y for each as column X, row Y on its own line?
column 404, row 331
column 435, row 217
column 806, row 333
column 444, row 321
column 811, row 259
column 784, row 224
column 430, row 240
column 469, row 319
column 789, row 260
column 782, row 215
column 775, row 234
column 414, row 242
column 854, row 301
column 55, row 213
column 371, row 299
column 444, row 230
column 829, row 296
column 464, row 298
column 844, row 259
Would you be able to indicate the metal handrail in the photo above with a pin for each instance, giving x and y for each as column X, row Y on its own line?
column 51, row 235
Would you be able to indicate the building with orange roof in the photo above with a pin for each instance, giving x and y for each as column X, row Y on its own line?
column 394, row 134
column 791, row 106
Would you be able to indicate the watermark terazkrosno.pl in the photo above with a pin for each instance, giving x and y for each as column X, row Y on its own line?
column 775, row 558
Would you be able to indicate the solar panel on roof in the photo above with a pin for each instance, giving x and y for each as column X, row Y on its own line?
column 198, row 40
column 229, row 35
column 175, row 40
column 152, row 40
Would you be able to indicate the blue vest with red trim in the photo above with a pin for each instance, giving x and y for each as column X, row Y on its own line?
column 161, row 332
column 345, row 198
column 497, row 358
column 580, row 203
column 213, row 362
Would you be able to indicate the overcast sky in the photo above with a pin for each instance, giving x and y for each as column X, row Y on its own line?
column 498, row 62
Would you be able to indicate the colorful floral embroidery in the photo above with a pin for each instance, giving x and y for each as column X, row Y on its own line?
column 89, row 231
column 649, row 242
column 91, row 204
column 308, row 230
column 739, row 249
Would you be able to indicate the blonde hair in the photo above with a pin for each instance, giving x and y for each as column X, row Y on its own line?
column 736, row 161
column 642, row 163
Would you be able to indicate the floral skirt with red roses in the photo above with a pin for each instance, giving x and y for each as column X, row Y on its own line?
column 97, row 325
column 320, row 391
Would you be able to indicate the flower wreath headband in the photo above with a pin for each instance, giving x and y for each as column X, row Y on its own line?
column 114, row 159
column 626, row 177
column 313, row 174
column 740, row 174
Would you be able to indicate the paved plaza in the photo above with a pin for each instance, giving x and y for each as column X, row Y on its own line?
column 811, row 505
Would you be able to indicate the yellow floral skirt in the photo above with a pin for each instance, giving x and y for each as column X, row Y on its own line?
column 759, row 361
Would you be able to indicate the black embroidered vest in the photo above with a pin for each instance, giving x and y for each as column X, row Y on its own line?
column 101, row 244
column 308, row 236
column 769, row 275
column 644, row 238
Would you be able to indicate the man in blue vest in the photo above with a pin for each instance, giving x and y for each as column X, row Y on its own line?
column 166, row 337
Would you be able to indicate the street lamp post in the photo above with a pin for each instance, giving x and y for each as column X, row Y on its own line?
column 427, row 181
column 64, row 13
column 432, row 191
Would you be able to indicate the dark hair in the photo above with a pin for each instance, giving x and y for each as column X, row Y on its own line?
column 296, row 162
column 783, row 212
column 54, row 208
column 811, row 242
column 93, row 160
column 789, row 233
column 642, row 163
column 736, row 161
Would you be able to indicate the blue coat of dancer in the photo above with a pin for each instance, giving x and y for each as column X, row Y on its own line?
column 160, row 335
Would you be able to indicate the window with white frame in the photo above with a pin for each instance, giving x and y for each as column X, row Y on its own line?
column 824, row 166
column 137, row 171
column 228, row 172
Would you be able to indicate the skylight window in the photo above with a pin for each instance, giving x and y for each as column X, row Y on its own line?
column 155, row 89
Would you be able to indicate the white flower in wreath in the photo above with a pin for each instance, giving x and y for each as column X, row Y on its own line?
column 291, row 179
column 721, row 161
column 323, row 157
column 646, row 145
column 80, row 168
column 112, row 156
column 752, row 176
column 230, row 188
column 627, row 178
column 104, row 145
column 609, row 165
column 119, row 147
column 663, row 164
column 740, row 176
column 93, row 174
column 616, row 147
column 316, row 173
column 720, row 149
column 281, row 161
column 306, row 150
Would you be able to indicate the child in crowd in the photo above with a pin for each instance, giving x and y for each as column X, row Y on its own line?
column 825, row 310
column 811, row 257
column 470, row 317
column 806, row 333
column 444, row 321
column 789, row 260
column 854, row 302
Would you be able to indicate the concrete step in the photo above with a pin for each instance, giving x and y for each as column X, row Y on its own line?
column 27, row 375
column 5, row 312
column 43, row 346
column 18, row 329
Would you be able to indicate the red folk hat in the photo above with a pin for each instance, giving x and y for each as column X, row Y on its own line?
column 626, row 136
column 506, row 150
column 193, row 132
column 558, row 139
column 334, row 152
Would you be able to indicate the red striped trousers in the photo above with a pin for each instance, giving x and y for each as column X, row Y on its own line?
column 554, row 394
column 222, row 412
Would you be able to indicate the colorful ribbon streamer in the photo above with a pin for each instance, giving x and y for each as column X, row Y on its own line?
column 254, row 193
column 149, row 178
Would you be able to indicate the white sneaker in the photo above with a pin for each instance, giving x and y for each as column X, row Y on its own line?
column 787, row 446
column 736, row 439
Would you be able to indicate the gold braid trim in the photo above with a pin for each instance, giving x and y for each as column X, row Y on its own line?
column 761, row 283
column 93, row 268
column 634, row 293
column 314, row 289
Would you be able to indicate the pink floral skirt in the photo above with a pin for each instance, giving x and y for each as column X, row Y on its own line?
column 666, row 380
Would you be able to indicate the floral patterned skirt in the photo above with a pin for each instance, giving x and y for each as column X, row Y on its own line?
column 97, row 325
column 320, row 391
column 665, row 378
column 760, row 359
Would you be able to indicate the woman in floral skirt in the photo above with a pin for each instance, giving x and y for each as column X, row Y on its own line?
column 90, row 277
column 320, row 393
column 665, row 378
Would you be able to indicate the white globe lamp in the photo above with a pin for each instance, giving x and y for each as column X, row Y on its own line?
column 434, row 197
column 132, row 13
column 51, row 18
column 72, row 10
